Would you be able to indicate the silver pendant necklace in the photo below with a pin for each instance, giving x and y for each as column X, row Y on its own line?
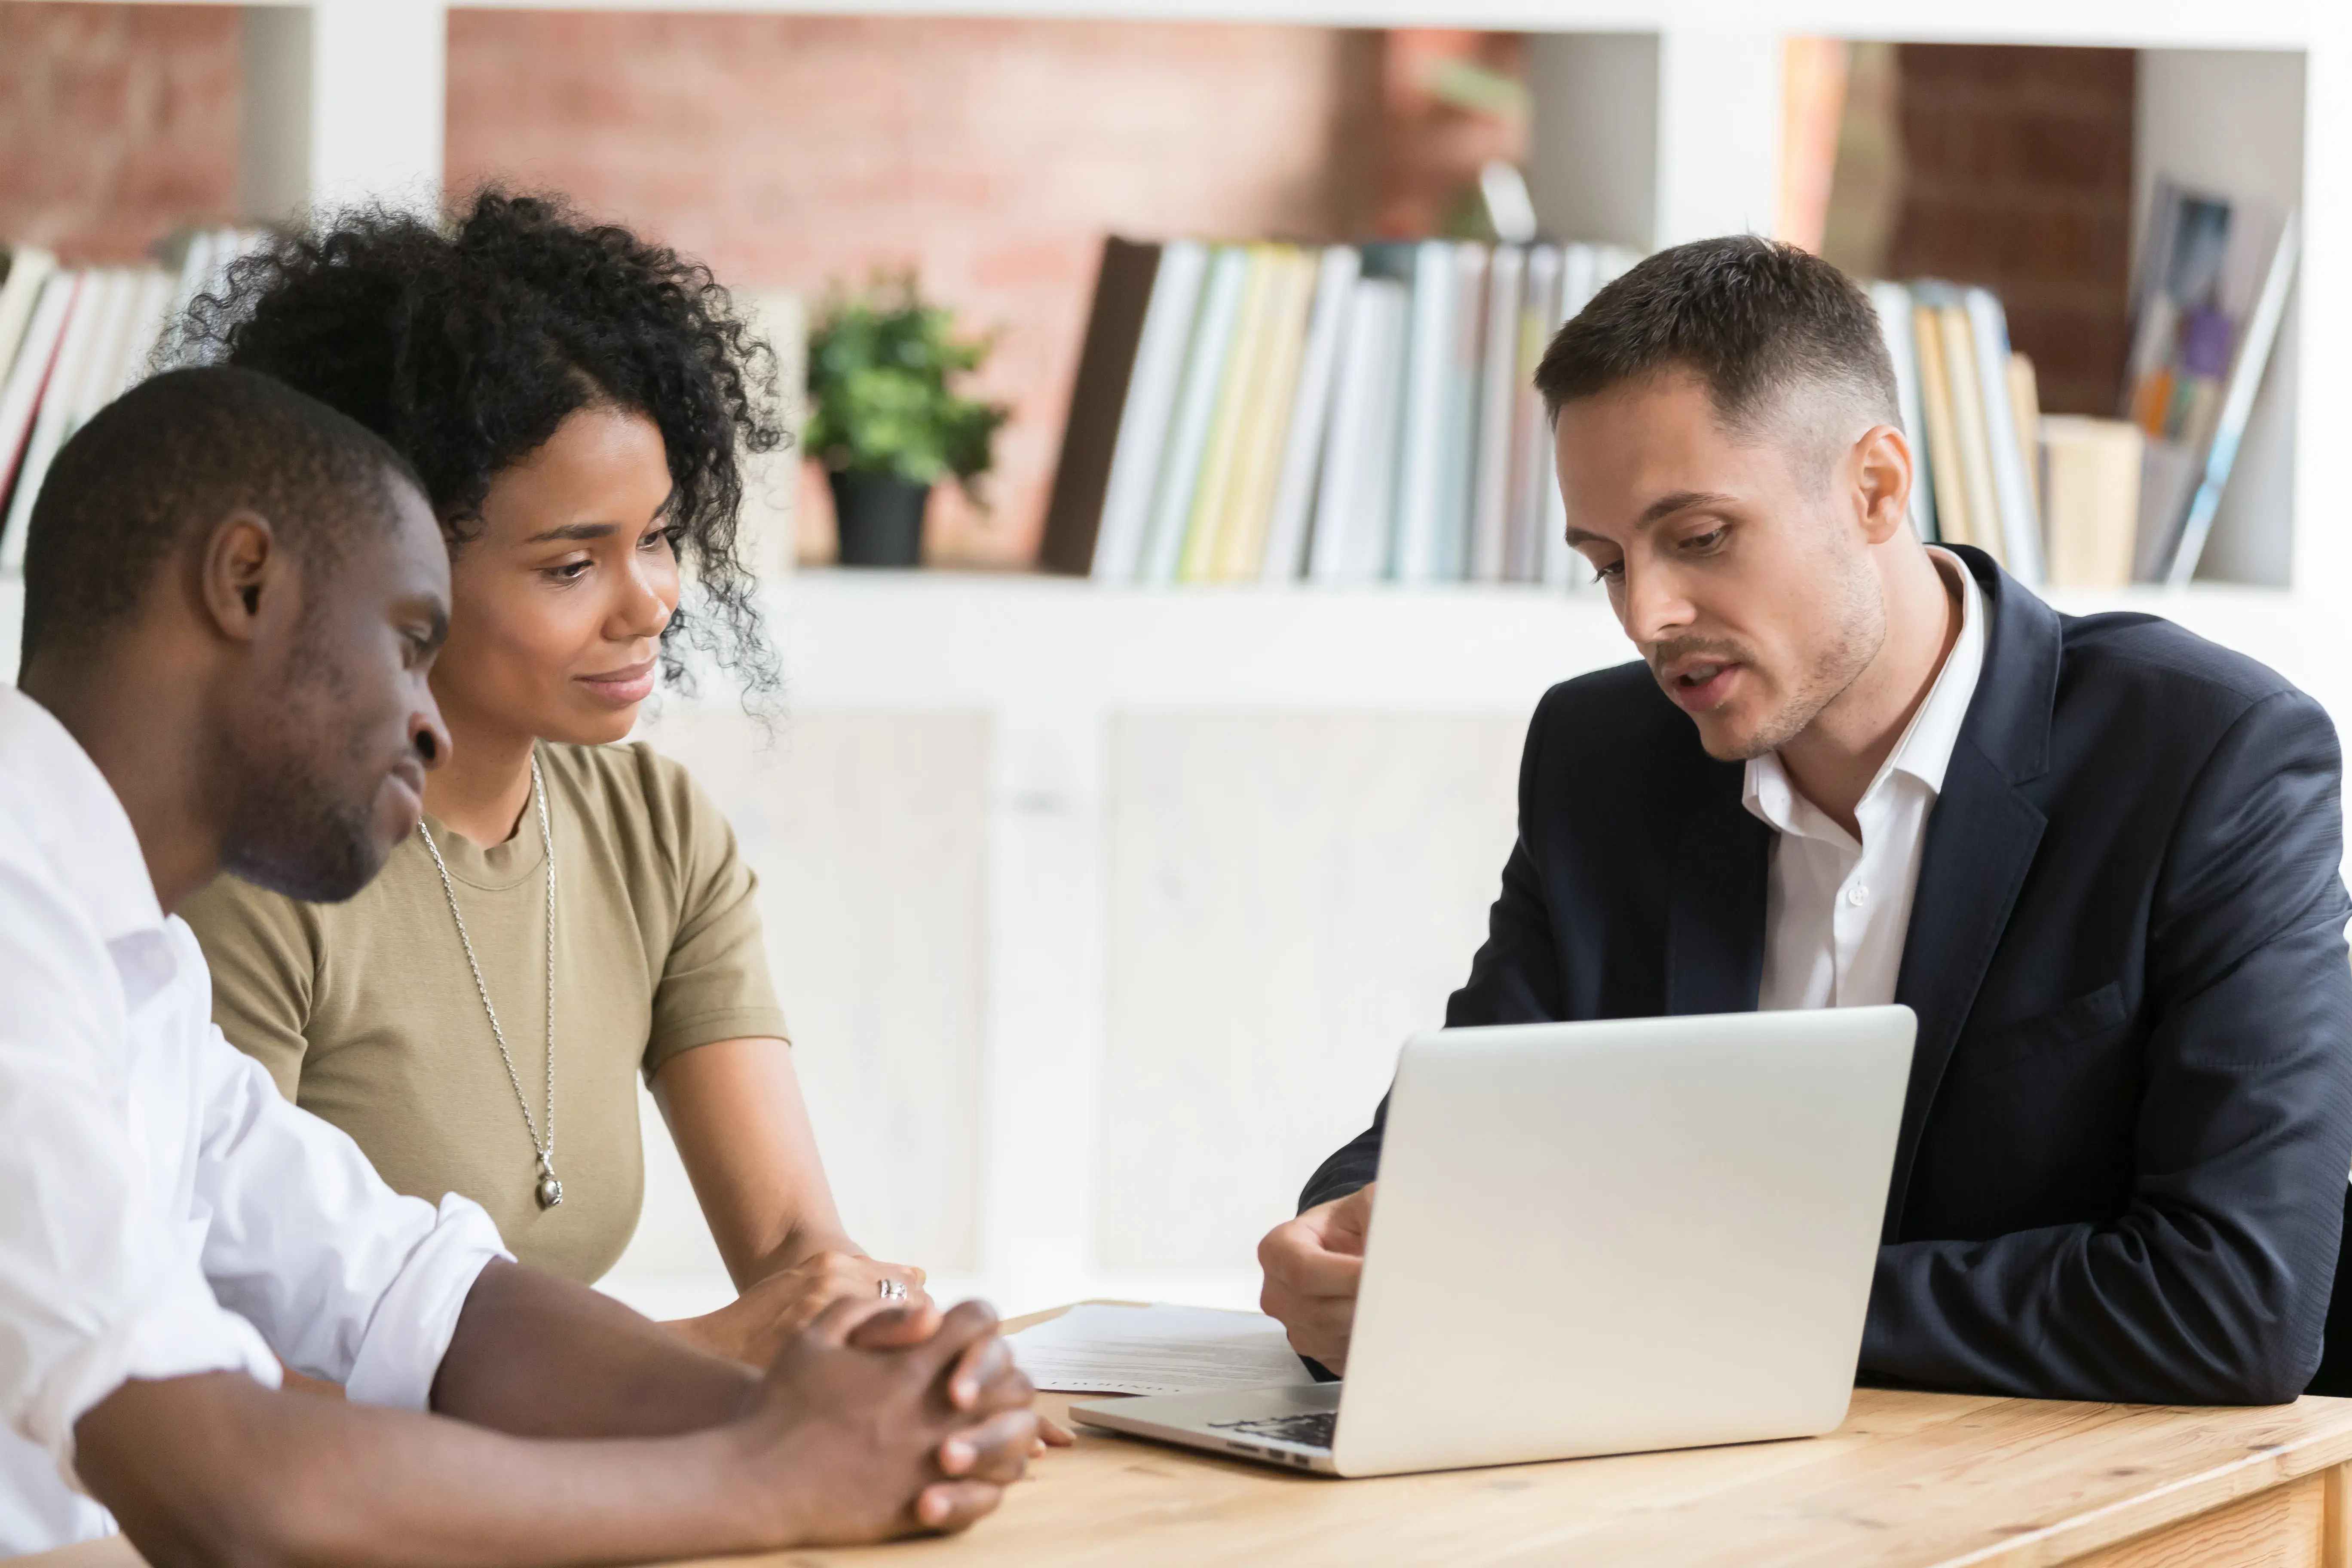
column 549, row 1191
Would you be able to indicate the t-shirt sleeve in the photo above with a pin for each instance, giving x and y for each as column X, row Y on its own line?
column 262, row 951
column 715, row 984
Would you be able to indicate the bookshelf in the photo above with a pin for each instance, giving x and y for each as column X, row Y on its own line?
column 1654, row 121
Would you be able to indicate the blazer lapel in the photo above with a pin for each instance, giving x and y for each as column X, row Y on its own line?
column 1979, row 846
column 1714, row 912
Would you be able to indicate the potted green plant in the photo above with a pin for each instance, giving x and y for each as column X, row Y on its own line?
column 885, row 422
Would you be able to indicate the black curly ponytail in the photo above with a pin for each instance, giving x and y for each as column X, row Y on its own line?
column 465, row 347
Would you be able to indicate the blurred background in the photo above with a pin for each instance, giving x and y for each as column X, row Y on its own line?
column 1101, row 906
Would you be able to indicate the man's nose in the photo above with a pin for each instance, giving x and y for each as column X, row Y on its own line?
column 1654, row 607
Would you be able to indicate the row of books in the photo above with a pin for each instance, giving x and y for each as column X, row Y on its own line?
column 72, row 339
column 1971, row 408
column 1359, row 413
column 1338, row 413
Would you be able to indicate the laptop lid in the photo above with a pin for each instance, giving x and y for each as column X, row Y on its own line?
column 1611, row 1236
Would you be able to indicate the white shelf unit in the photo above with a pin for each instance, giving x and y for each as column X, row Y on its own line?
column 1655, row 120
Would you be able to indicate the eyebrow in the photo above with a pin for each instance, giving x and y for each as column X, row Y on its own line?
column 574, row 531
column 1665, row 506
column 597, row 529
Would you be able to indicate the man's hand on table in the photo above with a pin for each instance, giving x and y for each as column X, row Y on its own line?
column 875, row 1421
column 1312, row 1265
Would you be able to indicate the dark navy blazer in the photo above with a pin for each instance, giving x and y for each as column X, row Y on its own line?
column 2121, row 1173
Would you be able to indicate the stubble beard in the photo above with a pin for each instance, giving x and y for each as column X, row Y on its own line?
column 1859, row 612
column 295, row 825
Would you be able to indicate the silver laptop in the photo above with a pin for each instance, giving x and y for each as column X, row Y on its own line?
column 1598, row 1238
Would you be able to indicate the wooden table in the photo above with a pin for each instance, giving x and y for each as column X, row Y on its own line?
column 1911, row 1480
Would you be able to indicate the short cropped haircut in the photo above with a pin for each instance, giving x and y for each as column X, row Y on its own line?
column 1757, row 322
column 172, row 459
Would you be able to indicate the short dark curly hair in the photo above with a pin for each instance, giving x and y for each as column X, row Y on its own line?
column 465, row 346
column 1753, row 319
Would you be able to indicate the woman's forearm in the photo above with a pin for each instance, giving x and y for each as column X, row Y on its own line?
column 734, row 1109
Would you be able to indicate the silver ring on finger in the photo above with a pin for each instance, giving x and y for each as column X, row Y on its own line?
column 891, row 1289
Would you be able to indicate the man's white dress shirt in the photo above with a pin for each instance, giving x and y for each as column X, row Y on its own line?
column 163, row 1211
column 1836, row 911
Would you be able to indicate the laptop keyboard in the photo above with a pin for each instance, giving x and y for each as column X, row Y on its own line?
column 1312, row 1429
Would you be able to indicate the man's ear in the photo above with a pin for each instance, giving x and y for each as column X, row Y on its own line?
column 1884, row 474
column 245, row 576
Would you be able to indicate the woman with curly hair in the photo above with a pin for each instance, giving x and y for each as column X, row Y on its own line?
column 572, row 911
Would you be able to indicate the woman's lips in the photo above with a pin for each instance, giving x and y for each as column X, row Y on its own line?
column 625, row 687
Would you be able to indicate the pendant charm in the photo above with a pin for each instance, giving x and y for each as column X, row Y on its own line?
column 550, row 1190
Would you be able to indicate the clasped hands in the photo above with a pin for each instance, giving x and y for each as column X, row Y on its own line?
column 885, row 1417
column 757, row 1325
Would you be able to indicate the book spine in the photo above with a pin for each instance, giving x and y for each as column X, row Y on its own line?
column 1580, row 280
column 1961, row 369
column 1352, row 502
column 91, row 319
column 2025, row 411
column 1490, row 511
column 31, row 370
column 1149, row 410
column 1893, row 303
column 1953, row 524
column 149, row 318
column 1531, row 445
column 29, row 269
column 1213, row 501
column 2021, row 521
column 1310, row 415
column 1196, row 407
column 1098, row 394
column 1420, row 447
column 1240, row 546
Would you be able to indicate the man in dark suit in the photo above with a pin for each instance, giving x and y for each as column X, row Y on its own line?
column 2098, row 856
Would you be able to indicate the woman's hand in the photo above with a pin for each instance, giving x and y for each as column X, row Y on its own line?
column 756, row 1325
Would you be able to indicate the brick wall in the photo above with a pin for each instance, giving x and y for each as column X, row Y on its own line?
column 797, row 150
column 118, row 123
column 2017, row 170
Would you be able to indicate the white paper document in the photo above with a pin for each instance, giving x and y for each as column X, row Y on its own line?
column 1096, row 1348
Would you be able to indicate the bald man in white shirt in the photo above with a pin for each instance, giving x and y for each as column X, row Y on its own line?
column 232, row 597
column 2097, row 857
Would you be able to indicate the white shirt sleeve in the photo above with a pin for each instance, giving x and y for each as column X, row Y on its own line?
column 98, row 1285
column 348, row 1279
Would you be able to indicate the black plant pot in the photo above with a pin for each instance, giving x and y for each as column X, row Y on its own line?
column 880, row 518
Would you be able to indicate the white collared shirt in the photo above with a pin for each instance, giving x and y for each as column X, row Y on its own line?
column 1836, row 911
column 163, row 1211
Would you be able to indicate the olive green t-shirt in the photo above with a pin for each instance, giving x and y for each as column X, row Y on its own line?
column 365, row 1012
